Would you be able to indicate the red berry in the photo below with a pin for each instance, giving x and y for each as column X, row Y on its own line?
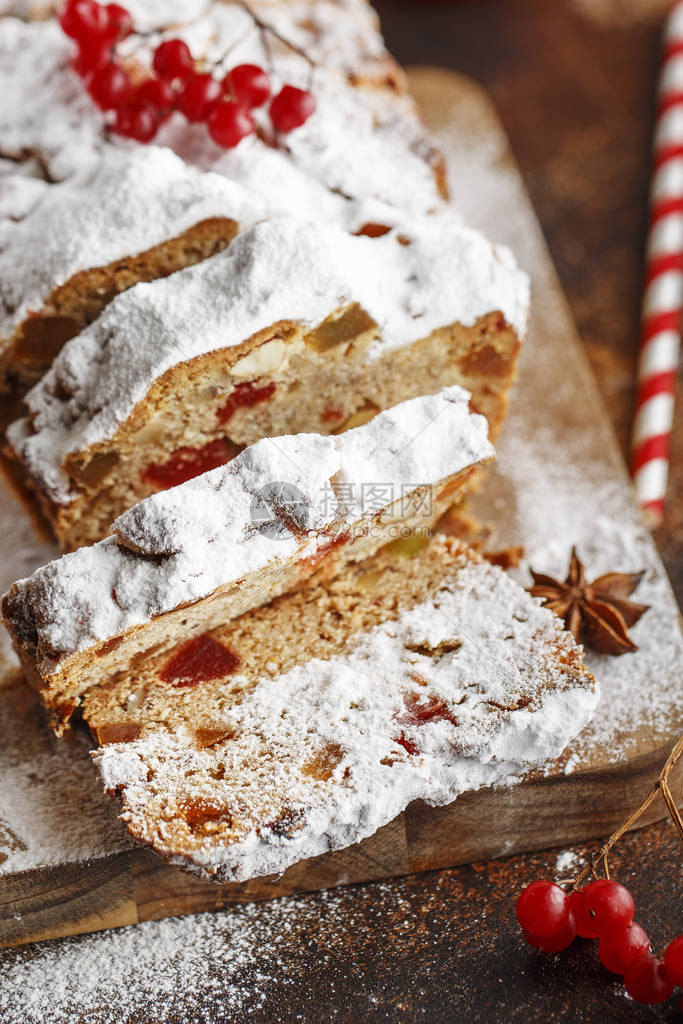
column 92, row 53
column 109, row 86
column 554, row 943
column 249, row 84
column 584, row 926
column 673, row 960
column 646, row 980
column 119, row 21
column 136, row 121
column 198, row 96
column 83, row 19
column 229, row 123
column 291, row 108
column 543, row 909
column 156, row 93
column 172, row 59
column 609, row 905
column 619, row 949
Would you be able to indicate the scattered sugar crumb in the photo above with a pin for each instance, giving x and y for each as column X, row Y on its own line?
column 566, row 862
column 206, row 969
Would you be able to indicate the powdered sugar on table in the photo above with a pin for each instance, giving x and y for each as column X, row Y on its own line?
column 559, row 480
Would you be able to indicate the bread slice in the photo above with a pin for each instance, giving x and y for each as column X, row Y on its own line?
column 196, row 556
column 304, row 726
column 68, row 248
column 296, row 327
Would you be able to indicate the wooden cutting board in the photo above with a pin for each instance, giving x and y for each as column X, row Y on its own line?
column 66, row 863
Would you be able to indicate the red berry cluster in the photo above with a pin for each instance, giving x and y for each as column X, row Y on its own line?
column 602, row 910
column 225, row 105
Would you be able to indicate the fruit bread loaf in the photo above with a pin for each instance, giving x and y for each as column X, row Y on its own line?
column 112, row 212
column 193, row 557
column 296, row 327
column 66, row 249
column 303, row 726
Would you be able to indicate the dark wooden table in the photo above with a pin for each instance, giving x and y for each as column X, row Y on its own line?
column 576, row 99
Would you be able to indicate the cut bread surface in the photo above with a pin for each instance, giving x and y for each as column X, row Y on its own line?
column 167, row 382
column 201, row 553
column 68, row 248
column 296, row 327
column 304, row 726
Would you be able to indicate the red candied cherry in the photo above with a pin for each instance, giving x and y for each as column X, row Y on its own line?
column 557, row 942
column 156, row 93
column 249, row 84
column 291, row 108
column 91, row 54
column 83, row 19
column 229, row 123
column 673, row 961
column 543, row 909
column 618, row 949
column 609, row 905
column 646, row 980
column 198, row 95
column 172, row 59
column 584, row 926
column 119, row 21
column 109, row 86
column 136, row 121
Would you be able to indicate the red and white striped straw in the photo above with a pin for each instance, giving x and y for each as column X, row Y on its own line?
column 663, row 295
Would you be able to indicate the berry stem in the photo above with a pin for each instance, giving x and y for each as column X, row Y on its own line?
column 218, row 64
column 605, row 865
column 265, row 28
column 660, row 786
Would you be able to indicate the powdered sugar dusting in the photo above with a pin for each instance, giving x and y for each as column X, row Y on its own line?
column 566, row 862
column 35, row 827
column 147, row 14
column 175, row 961
column 559, row 478
column 204, row 969
column 284, row 269
column 507, row 687
column 204, row 529
column 103, row 214
column 56, row 119
column 144, row 197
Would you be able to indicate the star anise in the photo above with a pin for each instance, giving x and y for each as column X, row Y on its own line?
column 597, row 613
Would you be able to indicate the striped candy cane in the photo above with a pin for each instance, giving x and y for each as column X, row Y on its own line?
column 663, row 296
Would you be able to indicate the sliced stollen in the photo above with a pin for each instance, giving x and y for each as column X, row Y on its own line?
column 304, row 726
column 195, row 556
column 67, row 249
column 114, row 212
column 296, row 327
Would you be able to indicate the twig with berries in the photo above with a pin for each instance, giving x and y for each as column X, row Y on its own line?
column 551, row 918
column 178, row 83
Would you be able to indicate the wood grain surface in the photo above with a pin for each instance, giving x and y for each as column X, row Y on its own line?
column 134, row 886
